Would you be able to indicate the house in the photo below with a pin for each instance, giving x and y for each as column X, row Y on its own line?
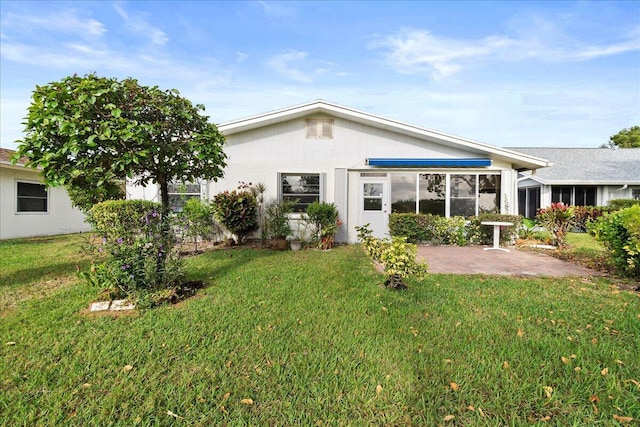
column 368, row 166
column 29, row 208
column 579, row 177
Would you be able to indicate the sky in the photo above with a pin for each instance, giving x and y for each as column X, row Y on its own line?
column 508, row 73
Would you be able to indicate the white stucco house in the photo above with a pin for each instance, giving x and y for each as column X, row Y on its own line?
column 579, row 177
column 367, row 165
column 29, row 208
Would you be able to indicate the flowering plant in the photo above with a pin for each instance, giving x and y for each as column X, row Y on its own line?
column 558, row 219
column 140, row 256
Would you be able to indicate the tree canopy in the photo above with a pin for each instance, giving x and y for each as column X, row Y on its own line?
column 626, row 138
column 90, row 132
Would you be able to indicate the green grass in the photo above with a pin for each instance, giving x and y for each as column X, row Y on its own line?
column 584, row 249
column 309, row 336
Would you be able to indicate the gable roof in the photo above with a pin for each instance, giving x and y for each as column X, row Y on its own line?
column 520, row 161
column 587, row 166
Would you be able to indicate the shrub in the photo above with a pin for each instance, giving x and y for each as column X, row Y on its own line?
column 617, row 204
column 197, row 221
column 140, row 256
column 428, row 228
column 325, row 219
column 586, row 214
column 558, row 219
column 620, row 232
column 396, row 254
column 237, row 211
column 277, row 218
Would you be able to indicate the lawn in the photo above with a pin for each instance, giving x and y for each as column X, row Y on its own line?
column 311, row 338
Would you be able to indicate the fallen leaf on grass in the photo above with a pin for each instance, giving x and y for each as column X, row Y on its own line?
column 622, row 420
column 547, row 418
column 86, row 385
column 637, row 384
column 471, row 408
column 520, row 333
column 226, row 396
column 174, row 415
column 594, row 399
column 455, row 387
column 378, row 389
column 11, row 343
column 548, row 391
column 565, row 360
column 127, row 368
column 247, row 401
column 449, row 417
column 604, row 372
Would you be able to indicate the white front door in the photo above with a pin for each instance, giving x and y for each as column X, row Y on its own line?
column 374, row 205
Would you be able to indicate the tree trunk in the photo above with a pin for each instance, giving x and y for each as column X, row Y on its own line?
column 395, row 282
column 165, row 228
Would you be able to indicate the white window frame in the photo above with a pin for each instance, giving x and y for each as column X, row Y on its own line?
column 17, row 197
column 319, row 128
column 321, row 179
column 200, row 194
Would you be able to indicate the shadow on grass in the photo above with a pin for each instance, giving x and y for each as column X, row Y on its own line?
column 30, row 275
column 226, row 260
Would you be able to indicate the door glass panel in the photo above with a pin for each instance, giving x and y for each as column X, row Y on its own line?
column 372, row 196
column 488, row 194
column 373, row 190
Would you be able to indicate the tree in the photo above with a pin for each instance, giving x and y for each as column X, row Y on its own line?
column 90, row 132
column 626, row 138
column 94, row 130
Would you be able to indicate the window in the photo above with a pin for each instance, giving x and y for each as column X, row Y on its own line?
column 403, row 193
column 32, row 197
column 445, row 193
column 635, row 193
column 304, row 189
column 320, row 128
column 373, row 193
column 432, row 193
column 576, row 196
column 180, row 192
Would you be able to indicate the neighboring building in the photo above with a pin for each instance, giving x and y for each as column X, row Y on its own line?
column 579, row 177
column 29, row 208
column 368, row 166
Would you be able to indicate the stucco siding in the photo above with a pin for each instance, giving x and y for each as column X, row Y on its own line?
column 61, row 217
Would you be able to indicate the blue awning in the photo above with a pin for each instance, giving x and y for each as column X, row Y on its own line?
column 433, row 163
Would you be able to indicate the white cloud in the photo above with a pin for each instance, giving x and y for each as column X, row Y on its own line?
column 283, row 64
column 276, row 10
column 416, row 51
column 65, row 22
column 138, row 25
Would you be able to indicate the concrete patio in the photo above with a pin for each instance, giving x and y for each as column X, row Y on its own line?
column 475, row 260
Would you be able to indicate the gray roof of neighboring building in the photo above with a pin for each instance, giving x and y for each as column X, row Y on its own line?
column 587, row 166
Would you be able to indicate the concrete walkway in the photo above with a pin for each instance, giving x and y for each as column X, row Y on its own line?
column 475, row 260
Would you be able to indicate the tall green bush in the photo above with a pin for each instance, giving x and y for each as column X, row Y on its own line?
column 617, row 204
column 324, row 217
column 620, row 232
column 237, row 211
column 197, row 221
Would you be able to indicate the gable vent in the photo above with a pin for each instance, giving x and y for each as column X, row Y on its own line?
column 320, row 128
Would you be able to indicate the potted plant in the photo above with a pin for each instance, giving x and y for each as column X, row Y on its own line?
column 277, row 222
column 324, row 217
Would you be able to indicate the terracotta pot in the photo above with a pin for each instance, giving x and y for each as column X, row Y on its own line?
column 279, row 243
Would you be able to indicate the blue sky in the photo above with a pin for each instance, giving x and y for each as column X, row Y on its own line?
column 552, row 74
